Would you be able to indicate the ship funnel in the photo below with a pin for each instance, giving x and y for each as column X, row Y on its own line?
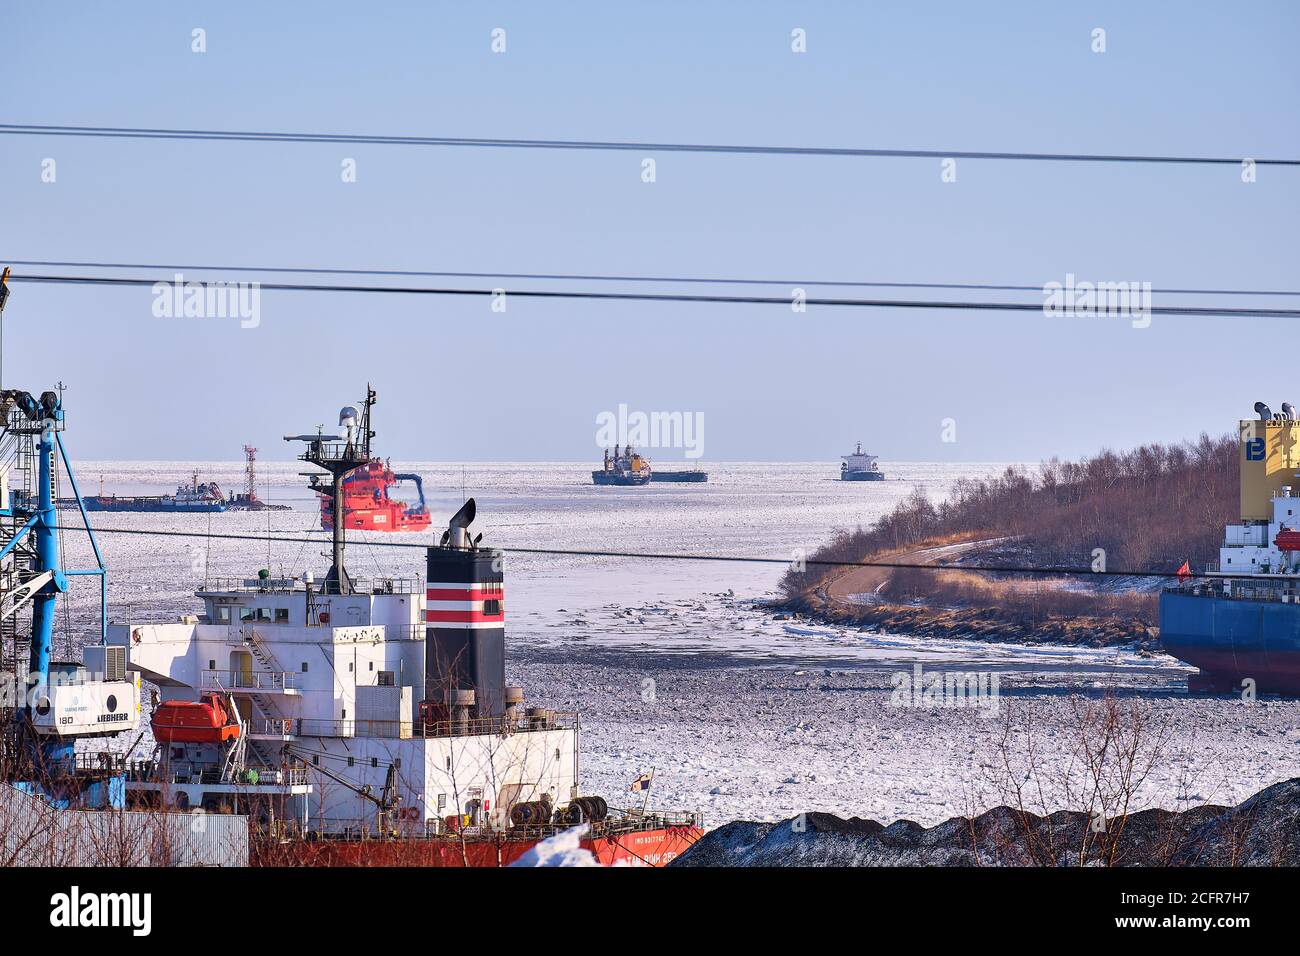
column 1263, row 411
column 457, row 533
column 1288, row 411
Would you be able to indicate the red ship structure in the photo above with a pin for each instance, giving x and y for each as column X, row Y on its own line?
column 367, row 505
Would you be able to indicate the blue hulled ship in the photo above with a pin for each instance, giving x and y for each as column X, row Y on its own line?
column 1240, row 621
column 194, row 497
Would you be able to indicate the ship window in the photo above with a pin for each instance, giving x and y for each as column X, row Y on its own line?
column 281, row 615
column 304, row 667
column 557, row 753
column 223, row 614
column 352, row 761
column 374, row 761
column 448, row 767
column 387, row 679
column 397, row 763
column 372, row 665
column 492, row 607
column 315, row 760
column 442, row 801
column 212, row 665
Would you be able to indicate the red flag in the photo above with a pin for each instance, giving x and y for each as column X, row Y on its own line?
column 1184, row 572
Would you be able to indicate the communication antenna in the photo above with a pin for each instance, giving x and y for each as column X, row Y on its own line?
column 250, row 473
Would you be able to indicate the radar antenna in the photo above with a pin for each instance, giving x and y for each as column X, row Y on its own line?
column 339, row 455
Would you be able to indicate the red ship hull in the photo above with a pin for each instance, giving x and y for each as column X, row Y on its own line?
column 657, row 847
column 367, row 507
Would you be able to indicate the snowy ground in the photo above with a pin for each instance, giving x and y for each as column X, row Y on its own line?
column 675, row 669
column 764, row 743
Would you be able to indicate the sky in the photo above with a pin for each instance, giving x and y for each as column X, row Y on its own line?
column 457, row 381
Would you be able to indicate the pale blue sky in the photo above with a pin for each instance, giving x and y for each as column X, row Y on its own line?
column 457, row 382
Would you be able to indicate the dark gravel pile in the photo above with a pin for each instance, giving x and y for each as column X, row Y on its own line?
column 1261, row 831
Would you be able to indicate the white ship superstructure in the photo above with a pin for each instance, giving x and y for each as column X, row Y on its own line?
column 328, row 686
column 859, row 466
column 361, row 706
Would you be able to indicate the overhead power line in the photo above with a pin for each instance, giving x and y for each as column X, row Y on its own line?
column 1169, row 310
column 129, row 132
column 660, row 556
column 585, row 277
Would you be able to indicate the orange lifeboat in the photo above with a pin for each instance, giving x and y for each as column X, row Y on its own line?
column 205, row 721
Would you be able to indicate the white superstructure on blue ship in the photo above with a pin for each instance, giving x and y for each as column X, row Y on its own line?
column 859, row 466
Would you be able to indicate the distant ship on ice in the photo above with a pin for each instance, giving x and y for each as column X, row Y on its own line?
column 626, row 468
column 859, row 466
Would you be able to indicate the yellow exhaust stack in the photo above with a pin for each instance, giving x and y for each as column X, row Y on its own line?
column 1270, row 458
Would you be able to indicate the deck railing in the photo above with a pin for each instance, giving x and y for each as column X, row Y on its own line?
column 404, row 729
column 265, row 681
column 291, row 585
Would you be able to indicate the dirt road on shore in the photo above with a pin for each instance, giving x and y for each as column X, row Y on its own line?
column 842, row 588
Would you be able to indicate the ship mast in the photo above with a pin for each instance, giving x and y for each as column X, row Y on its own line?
column 339, row 455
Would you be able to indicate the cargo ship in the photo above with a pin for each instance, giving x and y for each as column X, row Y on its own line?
column 689, row 475
column 349, row 722
column 197, row 496
column 627, row 467
column 859, row 466
column 1239, row 620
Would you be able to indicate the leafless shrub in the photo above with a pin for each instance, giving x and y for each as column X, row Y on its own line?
column 1117, row 501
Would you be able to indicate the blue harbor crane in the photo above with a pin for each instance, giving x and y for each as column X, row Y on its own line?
column 53, row 705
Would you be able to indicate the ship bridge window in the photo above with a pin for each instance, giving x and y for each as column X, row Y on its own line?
column 255, row 614
column 281, row 615
column 223, row 614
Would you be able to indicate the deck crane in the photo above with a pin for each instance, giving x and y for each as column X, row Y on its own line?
column 386, row 804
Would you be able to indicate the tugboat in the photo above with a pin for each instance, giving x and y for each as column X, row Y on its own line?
column 365, row 503
column 1240, row 620
column 194, row 497
column 859, row 466
column 627, row 468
